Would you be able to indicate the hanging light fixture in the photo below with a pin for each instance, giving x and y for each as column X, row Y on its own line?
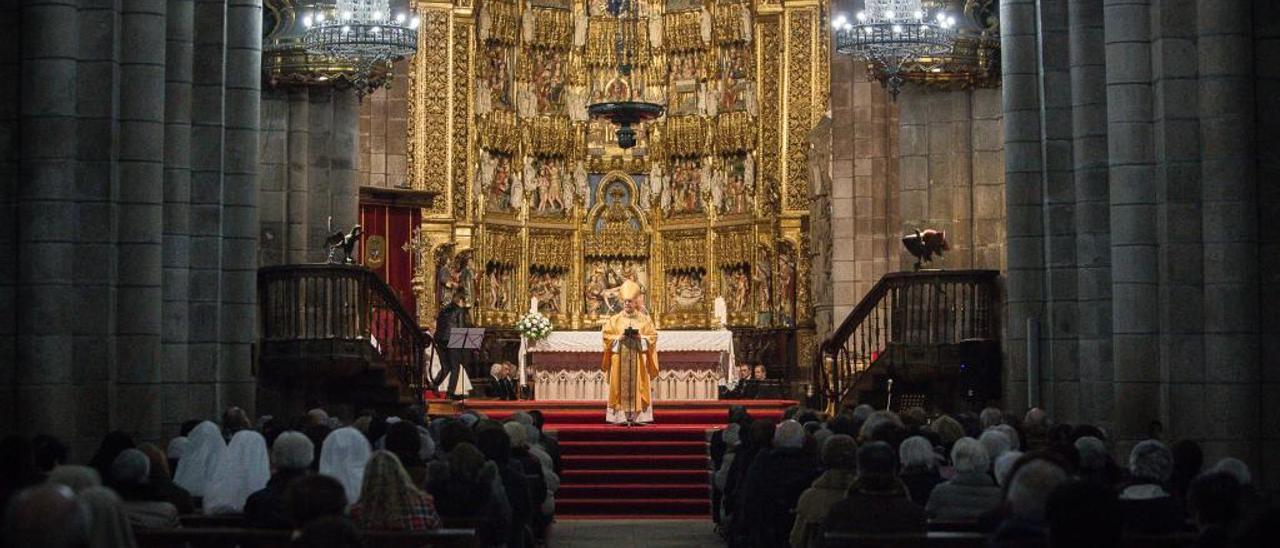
column 364, row 33
column 892, row 33
column 625, row 113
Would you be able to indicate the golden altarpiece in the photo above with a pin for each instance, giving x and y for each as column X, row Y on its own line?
column 539, row 202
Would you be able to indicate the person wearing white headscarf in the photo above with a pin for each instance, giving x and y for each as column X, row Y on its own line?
column 108, row 525
column 343, row 457
column 195, row 468
column 76, row 477
column 243, row 469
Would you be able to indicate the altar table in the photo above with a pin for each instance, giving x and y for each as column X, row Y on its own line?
column 692, row 365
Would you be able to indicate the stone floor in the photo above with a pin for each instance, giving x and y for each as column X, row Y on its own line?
column 634, row 533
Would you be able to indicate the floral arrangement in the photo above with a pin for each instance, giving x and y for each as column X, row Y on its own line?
column 534, row 326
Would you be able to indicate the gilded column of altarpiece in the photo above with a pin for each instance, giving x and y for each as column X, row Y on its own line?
column 541, row 203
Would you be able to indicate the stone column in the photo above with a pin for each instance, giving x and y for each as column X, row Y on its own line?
column 1230, row 209
column 239, row 205
column 1134, row 265
column 319, row 209
column 1023, row 170
column 344, row 198
column 273, row 178
column 177, row 208
column 97, row 178
column 1266, row 17
column 1177, row 176
column 299, row 140
column 206, row 206
column 46, row 227
column 1092, row 212
column 140, row 206
column 10, row 128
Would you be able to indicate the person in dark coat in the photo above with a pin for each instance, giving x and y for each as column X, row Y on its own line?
column 919, row 468
column 1147, row 507
column 451, row 315
column 112, row 445
column 405, row 442
column 496, row 446
column 1214, row 500
column 759, row 439
column 466, row 486
column 774, row 484
column 878, row 501
column 291, row 457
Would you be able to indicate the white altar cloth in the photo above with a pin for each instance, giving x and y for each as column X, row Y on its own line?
column 720, row 340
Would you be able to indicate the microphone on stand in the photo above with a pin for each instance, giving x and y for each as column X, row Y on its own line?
column 888, row 404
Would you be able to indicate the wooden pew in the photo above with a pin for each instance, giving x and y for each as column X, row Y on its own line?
column 950, row 539
column 228, row 537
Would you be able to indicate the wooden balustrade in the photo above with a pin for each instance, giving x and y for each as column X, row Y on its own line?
column 907, row 313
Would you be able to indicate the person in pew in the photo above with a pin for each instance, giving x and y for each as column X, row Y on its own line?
column 343, row 457
column 540, row 484
column 972, row 492
column 47, row 515
column 919, row 468
column 110, row 447
column 513, row 380
column 1147, row 507
column 198, row 461
column 731, row 438
column 108, row 525
column 1215, row 502
column 1083, row 513
column 75, row 477
column 839, row 457
column 877, row 502
column 496, row 446
column 466, row 486
column 161, row 480
column 405, row 442
column 773, row 486
column 389, row 501
column 314, row 496
column 497, row 389
column 1095, row 461
column 1031, row 480
column 130, row 474
column 243, row 469
column 291, row 457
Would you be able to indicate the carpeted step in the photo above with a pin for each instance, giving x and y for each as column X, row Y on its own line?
column 598, row 507
column 664, row 447
column 600, row 476
column 597, row 416
column 635, row 491
column 636, row 462
column 622, row 434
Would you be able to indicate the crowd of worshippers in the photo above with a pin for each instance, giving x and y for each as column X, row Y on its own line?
column 317, row 475
column 1027, row 482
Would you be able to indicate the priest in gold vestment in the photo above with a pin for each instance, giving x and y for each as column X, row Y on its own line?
column 630, row 360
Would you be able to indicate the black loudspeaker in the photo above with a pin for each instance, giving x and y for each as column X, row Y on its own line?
column 980, row 368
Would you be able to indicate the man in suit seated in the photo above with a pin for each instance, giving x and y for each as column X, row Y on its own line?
column 499, row 385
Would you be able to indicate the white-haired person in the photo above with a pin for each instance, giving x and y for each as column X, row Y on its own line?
column 291, row 457
column 773, row 485
column 990, row 417
column 972, row 492
column 130, row 477
column 1033, row 478
column 919, row 468
column 996, row 442
column 1250, row 498
column 1096, row 463
column 1147, row 507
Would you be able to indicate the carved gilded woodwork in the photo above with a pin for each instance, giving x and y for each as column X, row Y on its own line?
column 713, row 202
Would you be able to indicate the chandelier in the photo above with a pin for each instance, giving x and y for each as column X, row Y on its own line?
column 625, row 112
column 892, row 33
column 364, row 33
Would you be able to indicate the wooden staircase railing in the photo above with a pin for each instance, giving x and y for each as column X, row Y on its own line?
column 906, row 309
column 341, row 307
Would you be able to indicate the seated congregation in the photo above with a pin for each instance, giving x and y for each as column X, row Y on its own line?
column 314, row 480
column 877, row 478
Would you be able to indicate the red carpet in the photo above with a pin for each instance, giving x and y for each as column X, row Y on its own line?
column 655, row 471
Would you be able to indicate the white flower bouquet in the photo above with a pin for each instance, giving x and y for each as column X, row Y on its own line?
column 534, row 326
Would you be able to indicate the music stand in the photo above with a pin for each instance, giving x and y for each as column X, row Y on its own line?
column 466, row 338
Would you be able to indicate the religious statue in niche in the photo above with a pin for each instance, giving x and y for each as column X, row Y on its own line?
column 500, row 285
column 763, row 282
column 495, row 82
column 683, row 192
column 457, row 277
column 604, row 280
column 546, row 88
column 733, row 86
column 551, row 186
column 736, row 288
column 500, row 185
column 732, row 186
column 785, row 287
column 685, row 291
column 547, row 285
